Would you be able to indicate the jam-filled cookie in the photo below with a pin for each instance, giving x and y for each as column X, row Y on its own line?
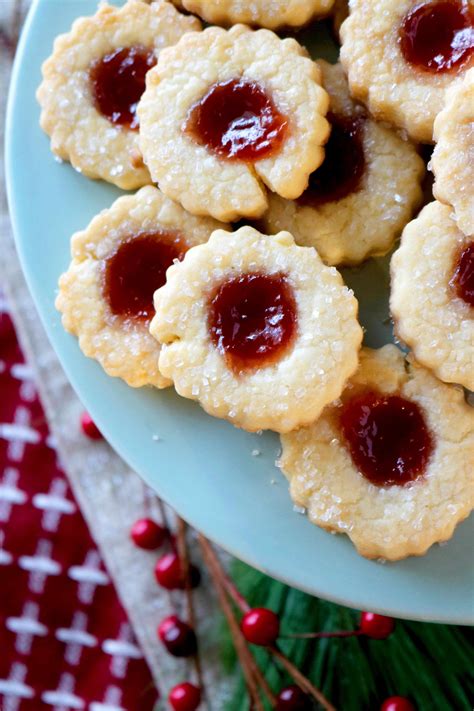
column 272, row 14
column 452, row 161
column 94, row 80
column 106, row 296
column 389, row 464
column 225, row 112
column 432, row 299
column 360, row 198
column 257, row 330
column 401, row 56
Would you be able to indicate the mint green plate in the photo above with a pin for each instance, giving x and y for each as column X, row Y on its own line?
column 204, row 467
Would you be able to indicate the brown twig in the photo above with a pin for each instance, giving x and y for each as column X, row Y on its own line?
column 183, row 555
column 228, row 584
column 243, row 605
column 301, row 680
column 252, row 674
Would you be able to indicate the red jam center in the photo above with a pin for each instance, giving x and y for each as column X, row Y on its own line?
column 137, row 269
column 463, row 278
column 343, row 168
column 387, row 437
column 238, row 120
column 118, row 82
column 438, row 36
column 252, row 320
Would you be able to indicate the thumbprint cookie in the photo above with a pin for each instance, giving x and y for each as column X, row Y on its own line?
column 432, row 298
column 402, row 56
column 93, row 81
column 257, row 329
column 366, row 190
column 272, row 14
column 106, row 295
column 227, row 112
column 390, row 463
column 452, row 161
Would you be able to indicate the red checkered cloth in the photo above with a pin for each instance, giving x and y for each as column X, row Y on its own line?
column 65, row 640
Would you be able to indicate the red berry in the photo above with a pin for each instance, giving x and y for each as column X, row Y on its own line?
column 89, row 427
column 147, row 534
column 185, row 697
column 376, row 626
column 292, row 698
column 178, row 637
column 397, row 703
column 168, row 571
column 260, row 626
column 169, row 575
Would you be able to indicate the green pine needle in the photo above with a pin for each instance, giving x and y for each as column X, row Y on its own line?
column 430, row 664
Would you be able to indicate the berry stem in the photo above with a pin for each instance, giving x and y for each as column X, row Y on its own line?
column 183, row 555
column 301, row 680
column 321, row 635
column 227, row 583
column 253, row 675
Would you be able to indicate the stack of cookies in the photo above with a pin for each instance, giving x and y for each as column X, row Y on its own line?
column 320, row 166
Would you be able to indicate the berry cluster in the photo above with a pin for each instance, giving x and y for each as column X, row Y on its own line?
column 259, row 626
column 177, row 636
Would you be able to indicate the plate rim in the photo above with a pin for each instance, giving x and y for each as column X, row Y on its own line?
column 448, row 618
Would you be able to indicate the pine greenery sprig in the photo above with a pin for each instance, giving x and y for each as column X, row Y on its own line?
column 431, row 664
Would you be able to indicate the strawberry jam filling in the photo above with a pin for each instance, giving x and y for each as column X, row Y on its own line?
column 136, row 270
column 438, row 36
column 344, row 164
column 463, row 277
column 387, row 437
column 238, row 120
column 118, row 82
column 252, row 320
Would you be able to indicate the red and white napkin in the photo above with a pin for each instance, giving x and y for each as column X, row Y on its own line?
column 65, row 640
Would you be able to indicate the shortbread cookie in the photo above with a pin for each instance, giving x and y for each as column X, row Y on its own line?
column 364, row 193
column 432, row 299
column 224, row 111
column 272, row 14
column 257, row 330
column 390, row 464
column 92, row 84
column 452, row 161
column 401, row 57
column 106, row 296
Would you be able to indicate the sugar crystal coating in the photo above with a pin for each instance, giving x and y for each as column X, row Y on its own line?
column 272, row 14
column 452, row 161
